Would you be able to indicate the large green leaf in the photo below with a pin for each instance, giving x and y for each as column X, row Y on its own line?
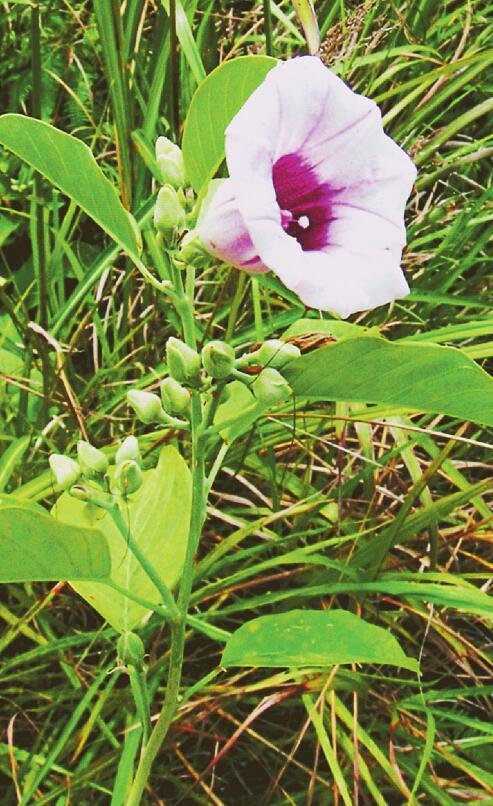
column 415, row 376
column 158, row 516
column 313, row 638
column 69, row 164
column 214, row 105
column 34, row 546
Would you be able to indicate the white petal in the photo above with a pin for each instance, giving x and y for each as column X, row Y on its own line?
column 345, row 281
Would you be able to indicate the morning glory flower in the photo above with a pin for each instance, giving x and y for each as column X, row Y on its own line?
column 316, row 191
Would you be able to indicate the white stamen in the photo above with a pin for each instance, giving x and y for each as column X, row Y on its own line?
column 304, row 221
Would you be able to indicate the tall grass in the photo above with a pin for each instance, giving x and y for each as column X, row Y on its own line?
column 302, row 491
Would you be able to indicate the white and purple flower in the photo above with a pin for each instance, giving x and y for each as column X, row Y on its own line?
column 316, row 191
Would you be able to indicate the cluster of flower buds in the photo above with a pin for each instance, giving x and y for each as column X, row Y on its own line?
column 217, row 361
column 170, row 212
column 184, row 367
column 174, row 402
column 89, row 479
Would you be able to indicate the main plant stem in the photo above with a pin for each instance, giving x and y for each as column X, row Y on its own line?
column 170, row 704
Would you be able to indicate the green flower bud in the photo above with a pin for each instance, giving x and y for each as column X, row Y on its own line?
column 218, row 359
column 81, row 492
column 170, row 162
column 131, row 650
column 128, row 477
column 270, row 387
column 192, row 249
column 171, row 169
column 276, row 353
column 168, row 213
column 146, row 406
column 183, row 362
column 164, row 146
column 93, row 462
column 129, row 449
column 92, row 494
column 65, row 470
column 176, row 399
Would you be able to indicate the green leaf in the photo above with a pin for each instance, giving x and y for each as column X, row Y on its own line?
column 12, row 364
column 34, row 546
column 69, row 164
column 158, row 516
column 372, row 370
column 11, row 458
column 332, row 328
column 214, row 105
column 313, row 638
column 187, row 41
column 467, row 599
column 237, row 411
column 7, row 227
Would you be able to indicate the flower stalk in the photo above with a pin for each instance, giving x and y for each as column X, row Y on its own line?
column 178, row 626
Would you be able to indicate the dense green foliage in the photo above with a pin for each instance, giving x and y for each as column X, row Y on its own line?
column 376, row 504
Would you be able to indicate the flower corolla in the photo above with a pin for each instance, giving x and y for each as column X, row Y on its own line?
column 316, row 191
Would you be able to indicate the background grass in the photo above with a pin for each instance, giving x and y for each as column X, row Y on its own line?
column 300, row 490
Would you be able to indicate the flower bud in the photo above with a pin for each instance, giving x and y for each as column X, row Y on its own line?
column 128, row 477
column 129, row 449
column 170, row 162
column 131, row 650
column 90, row 493
column 276, row 353
column 270, row 387
column 92, row 461
column 183, row 362
column 168, row 213
column 218, row 359
column 81, row 492
column 65, row 470
column 176, row 399
column 146, row 406
column 192, row 249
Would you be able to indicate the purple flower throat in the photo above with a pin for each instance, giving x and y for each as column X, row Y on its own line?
column 305, row 202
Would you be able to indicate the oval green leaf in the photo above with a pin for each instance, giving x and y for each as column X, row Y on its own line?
column 69, row 164
column 429, row 378
column 313, row 638
column 36, row 547
column 213, row 106
column 158, row 515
